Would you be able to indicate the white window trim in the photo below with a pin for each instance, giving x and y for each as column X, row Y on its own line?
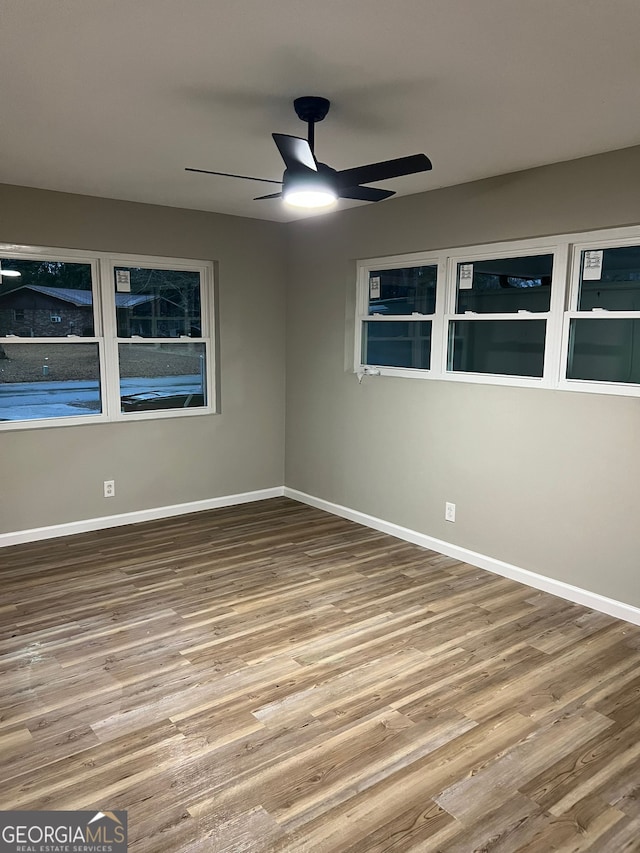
column 553, row 330
column 625, row 237
column 105, row 324
column 418, row 259
column 566, row 249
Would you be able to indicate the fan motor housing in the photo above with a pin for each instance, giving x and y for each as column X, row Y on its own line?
column 324, row 176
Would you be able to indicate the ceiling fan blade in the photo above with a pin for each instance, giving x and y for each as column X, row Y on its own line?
column 272, row 195
column 365, row 193
column 229, row 175
column 383, row 171
column 295, row 151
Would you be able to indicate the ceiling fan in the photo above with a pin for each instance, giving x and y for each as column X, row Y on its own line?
column 308, row 183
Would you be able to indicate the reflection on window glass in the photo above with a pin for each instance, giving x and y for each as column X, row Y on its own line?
column 48, row 381
column 604, row 350
column 502, row 347
column 162, row 376
column 610, row 279
column 403, row 291
column 505, row 285
column 397, row 344
column 48, row 299
column 154, row 303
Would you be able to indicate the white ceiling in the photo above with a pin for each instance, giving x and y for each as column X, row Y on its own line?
column 115, row 97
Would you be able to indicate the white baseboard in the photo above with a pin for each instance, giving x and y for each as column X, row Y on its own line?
column 594, row 600
column 564, row 590
column 37, row 533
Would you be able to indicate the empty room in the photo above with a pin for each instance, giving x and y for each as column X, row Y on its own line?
column 319, row 426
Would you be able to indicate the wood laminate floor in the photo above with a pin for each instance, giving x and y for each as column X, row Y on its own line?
column 272, row 678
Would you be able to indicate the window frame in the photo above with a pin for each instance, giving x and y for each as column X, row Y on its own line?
column 364, row 268
column 105, row 331
column 498, row 251
column 599, row 241
column 566, row 250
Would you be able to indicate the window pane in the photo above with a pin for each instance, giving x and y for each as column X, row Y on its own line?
column 156, row 303
column 48, row 381
column 403, row 291
column 48, row 299
column 610, row 279
column 604, row 350
column 505, row 285
column 162, row 376
column 397, row 344
column 503, row 347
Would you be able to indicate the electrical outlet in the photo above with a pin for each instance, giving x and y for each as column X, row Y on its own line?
column 449, row 511
column 109, row 488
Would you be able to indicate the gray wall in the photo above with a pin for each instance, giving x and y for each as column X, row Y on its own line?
column 546, row 480
column 55, row 475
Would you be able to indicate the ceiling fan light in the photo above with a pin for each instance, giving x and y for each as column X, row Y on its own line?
column 310, row 197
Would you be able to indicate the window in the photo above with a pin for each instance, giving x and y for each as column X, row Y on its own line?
column 500, row 347
column 162, row 376
column 157, row 303
column 154, row 304
column 560, row 312
column 94, row 338
column 394, row 305
column 604, row 323
column 503, row 301
column 44, row 298
column 41, row 381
